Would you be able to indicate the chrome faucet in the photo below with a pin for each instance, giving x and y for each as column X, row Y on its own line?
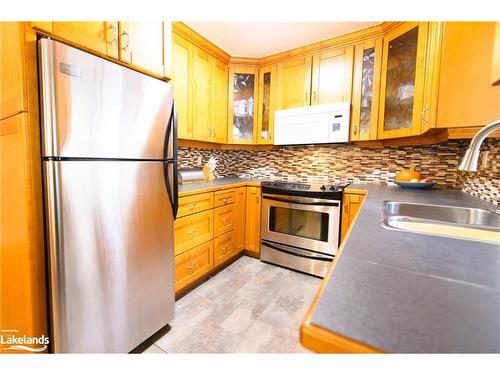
column 471, row 157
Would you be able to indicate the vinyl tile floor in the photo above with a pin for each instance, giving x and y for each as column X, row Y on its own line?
column 249, row 307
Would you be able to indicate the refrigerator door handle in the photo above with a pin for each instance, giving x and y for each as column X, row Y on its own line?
column 171, row 182
column 171, row 178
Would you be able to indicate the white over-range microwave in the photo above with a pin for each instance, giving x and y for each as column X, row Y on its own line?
column 325, row 123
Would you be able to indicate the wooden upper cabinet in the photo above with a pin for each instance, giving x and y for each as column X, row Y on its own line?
column 266, row 104
column 495, row 69
column 141, row 45
column 402, row 82
column 332, row 76
column 218, row 101
column 101, row 37
column 466, row 94
column 13, row 98
column 366, row 89
column 294, row 83
column 182, row 51
column 201, row 94
column 242, row 97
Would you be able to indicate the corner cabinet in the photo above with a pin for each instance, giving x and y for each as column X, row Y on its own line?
column 403, row 80
column 266, row 106
column 242, row 119
column 366, row 90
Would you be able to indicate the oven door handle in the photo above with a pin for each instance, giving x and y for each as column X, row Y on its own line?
column 298, row 252
column 329, row 204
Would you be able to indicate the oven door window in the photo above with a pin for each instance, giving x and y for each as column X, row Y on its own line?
column 300, row 223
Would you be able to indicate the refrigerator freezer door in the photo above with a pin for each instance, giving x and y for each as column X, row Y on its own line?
column 110, row 240
column 94, row 108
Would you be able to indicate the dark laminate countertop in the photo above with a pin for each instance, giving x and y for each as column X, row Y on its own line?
column 404, row 292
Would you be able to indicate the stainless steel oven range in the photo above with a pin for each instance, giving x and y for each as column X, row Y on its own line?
column 300, row 226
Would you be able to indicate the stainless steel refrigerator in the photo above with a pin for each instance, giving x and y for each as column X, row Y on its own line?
column 110, row 184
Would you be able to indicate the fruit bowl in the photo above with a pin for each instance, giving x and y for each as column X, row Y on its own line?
column 415, row 185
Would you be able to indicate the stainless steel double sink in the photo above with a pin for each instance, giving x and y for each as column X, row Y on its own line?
column 445, row 221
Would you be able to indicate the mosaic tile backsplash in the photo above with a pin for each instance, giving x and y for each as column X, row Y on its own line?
column 321, row 163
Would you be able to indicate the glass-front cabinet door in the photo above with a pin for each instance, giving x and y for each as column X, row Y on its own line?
column 366, row 89
column 243, row 83
column 402, row 82
column 267, row 97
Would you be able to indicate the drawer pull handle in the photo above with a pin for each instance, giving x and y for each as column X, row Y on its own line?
column 191, row 205
column 224, row 252
column 191, row 232
column 224, row 221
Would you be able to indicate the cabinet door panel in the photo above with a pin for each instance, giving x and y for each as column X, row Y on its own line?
column 218, row 106
column 182, row 51
column 294, row 83
column 223, row 248
column 366, row 87
column 223, row 219
column 195, row 203
column 22, row 255
column 402, row 84
column 201, row 94
column 267, row 103
column 12, row 81
column 101, row 37
column 193, row 230
column 252, row 238
column 239, row 219
column 141, row 45
column 242, row 118
column 332, row 76
column 193, row 264
column 466, row 96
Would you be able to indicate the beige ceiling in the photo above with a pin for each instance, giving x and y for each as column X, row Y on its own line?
column 252, row 39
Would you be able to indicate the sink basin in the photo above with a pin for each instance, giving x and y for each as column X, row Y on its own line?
column 445, row 221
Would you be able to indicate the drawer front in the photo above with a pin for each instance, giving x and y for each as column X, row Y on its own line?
column 195, row 203
column 223, row 219
column 224, row 197
column 223, row 248
column 193, row 230
column 193, row 264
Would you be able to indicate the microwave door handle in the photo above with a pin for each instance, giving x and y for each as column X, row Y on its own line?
column 330, row 204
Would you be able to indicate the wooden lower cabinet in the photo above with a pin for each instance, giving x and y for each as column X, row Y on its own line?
column 240, row 198
column 22, row 256
column 252, row 235
column 224, row 248
column 193, row 230
column 193, row 264
column 350, row 206
column 223, row 219
column 195, row 203
column 223, row 197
